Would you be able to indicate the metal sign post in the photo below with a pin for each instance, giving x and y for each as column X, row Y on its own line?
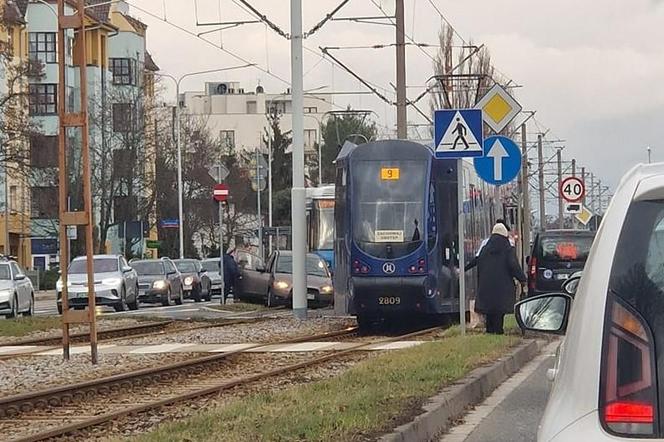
column 67, row 218
column 220, row 194
column 459, row 133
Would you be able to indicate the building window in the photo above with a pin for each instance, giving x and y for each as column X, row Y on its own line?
column 124, row 71
column 123, row 162
column 125, row 208
column 123, row 117
column 252, row 107
column 43, row 99
column 310, row 138
column 278, row 107
column 44, row 151
column 44, row 202
column 13, row 198
column 310, row 110
column 42, row 47
column 227, row 139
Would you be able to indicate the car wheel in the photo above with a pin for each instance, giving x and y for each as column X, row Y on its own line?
column 122, row 305
column 167, row 301
column 180, row 299
column 134, row 305
column 14, row 312
column 31, row 308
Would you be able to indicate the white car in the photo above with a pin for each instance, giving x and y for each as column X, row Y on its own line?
column 609, row 377
column 16, row 292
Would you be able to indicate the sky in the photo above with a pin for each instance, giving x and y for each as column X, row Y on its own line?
column 591, row 69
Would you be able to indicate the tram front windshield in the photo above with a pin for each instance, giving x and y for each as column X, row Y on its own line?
column 388, row 206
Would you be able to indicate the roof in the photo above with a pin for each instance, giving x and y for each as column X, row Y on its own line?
column 150, row 65
column 137, row 24
column 79, row 258
column 12, row 12
column 22, row 6
column 345, row 151
column 100, row 9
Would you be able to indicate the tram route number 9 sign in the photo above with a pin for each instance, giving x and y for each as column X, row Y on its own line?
column 572, row 189
column 390, row 173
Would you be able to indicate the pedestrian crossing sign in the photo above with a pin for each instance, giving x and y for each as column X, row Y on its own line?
column 459, row 133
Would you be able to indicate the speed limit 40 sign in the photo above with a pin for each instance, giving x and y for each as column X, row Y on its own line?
column 572, row 189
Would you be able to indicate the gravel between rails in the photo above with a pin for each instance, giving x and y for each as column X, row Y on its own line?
column 263, row 332
column 31, row 373
column 102, row 324
column 126, row 428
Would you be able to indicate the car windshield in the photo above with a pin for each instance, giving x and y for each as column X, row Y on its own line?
column 186, row 266
column 5, row 274
column 211, row 266
column 324, row 239
column 566, row 248
column 148, row 267
column 315, row 265
column 388, row 206
column 101, row 265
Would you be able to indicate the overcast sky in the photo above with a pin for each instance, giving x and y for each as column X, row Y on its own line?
column 591, row 69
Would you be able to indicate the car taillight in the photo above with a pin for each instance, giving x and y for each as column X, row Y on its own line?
column 628, row 393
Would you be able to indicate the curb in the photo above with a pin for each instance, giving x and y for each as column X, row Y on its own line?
column 453, row 401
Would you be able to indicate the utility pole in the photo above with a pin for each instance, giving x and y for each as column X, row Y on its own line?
column 269, row 181
column 298, row 213
column 561, row 221
column 540, row 176
column 222, row 249
column 402, row 114
column 258, row 204
column 583, row 178
column 525, row 195
column 575, row 223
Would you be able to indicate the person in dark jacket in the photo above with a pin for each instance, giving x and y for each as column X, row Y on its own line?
column 231, row 273
column 497, row 267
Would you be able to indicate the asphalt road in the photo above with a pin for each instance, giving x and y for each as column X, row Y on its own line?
column 188, row 310
column 516, row 418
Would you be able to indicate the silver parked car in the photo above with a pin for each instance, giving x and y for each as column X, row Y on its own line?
column 115, row 283
column 211, row 265
column 16, row 292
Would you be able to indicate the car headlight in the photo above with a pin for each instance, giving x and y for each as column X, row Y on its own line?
column 111, row 281
column 188, row 280
column 5, row 294
column 160, row 285
column 281, row 285
column 59, row 285
column 327, row 289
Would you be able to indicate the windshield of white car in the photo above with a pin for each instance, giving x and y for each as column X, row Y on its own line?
column 211, row 266
column 5, row 274
column 148, row 267
column 101, row 265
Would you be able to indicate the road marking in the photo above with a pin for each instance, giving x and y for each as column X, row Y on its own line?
column 473, row 419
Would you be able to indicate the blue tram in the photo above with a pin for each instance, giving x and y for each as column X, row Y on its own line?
column 397, row 228
column 320, row 222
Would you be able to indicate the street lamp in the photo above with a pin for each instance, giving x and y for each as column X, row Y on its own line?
column 179, row 147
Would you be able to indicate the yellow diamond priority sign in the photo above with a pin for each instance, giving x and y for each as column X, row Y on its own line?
column 585, row 216
column 498, row 108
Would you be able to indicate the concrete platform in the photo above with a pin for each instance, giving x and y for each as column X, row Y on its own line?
column 301, row 347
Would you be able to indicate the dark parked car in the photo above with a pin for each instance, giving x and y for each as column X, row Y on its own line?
column 273, row 284
column 158, row 281
column 195, row 281
column 556, row 255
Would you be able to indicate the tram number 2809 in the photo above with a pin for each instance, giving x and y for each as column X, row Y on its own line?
column 389, row 300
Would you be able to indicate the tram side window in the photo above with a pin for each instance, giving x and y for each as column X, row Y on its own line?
column 340, row 206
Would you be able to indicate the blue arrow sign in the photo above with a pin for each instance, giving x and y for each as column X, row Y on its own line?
column 501, row 162
column 458, row 133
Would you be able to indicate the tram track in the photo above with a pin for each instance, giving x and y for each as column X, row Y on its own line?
column 65, row 410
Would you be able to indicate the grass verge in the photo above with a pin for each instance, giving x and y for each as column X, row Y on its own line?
column 24, row 326
column 240, row 307
column 371, row 398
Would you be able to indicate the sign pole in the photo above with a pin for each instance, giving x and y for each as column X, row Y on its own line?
column 461, row 248
column 221, row 251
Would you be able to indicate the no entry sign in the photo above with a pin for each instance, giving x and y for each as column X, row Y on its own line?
column 572, row 189
column 220, row 192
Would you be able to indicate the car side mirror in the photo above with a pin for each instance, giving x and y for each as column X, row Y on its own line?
column 19, row 277
column 260, row 269
column 203, row 271
column 127, row 269
column 544, row 313
column 571, row 285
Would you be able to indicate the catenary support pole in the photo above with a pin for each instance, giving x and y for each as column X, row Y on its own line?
column 559, row 159
column 402, row 115
column 540, row 176
column 525, row 194
column 298, row 193
column 461, row 247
